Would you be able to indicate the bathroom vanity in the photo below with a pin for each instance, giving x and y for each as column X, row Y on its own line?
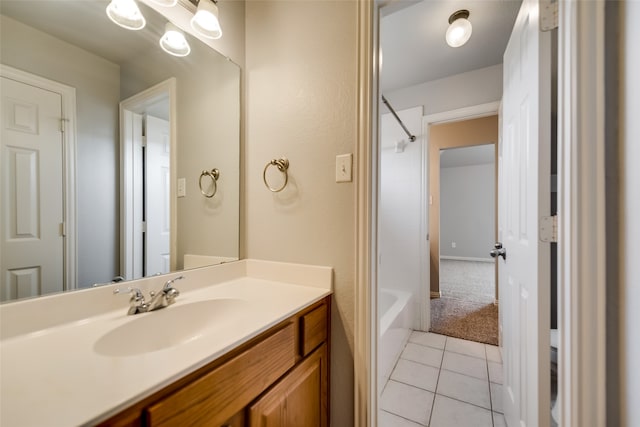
column 277, row 379
column 245, row 344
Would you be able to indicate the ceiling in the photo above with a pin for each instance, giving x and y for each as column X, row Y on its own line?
column 414, row 49
column 94, row 32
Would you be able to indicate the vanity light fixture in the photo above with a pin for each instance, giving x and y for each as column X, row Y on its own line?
column 174, row 42
column 459, row 30
column 126, row 14
column 166, row 3
column 205, row 21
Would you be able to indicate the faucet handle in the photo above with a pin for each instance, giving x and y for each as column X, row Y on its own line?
column 136, row 294
column 169, row 283
column 137, row 304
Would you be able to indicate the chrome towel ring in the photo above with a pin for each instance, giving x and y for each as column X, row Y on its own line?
column 214, row 174
column 283, row 165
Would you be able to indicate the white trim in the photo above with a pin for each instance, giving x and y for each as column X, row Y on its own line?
column 472, row 112
column 581, row 214
column 366, row 325
column 424, row 289
column 467, row 258
column 68, row 95
column 167, row 87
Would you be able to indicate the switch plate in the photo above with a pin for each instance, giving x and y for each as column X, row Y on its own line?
column 182, row 187
column 343, row 168
column 453, row 244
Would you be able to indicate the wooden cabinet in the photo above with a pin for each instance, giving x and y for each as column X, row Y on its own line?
column 298, row 399
column 277, row 379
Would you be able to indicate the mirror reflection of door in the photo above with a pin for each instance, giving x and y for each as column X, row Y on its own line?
column 146, row 146
column 32, row 213
column 156, row 194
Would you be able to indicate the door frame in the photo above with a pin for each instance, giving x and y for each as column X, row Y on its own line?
column 581, row 219
column 68, row 125
column 459, row 114
column 582, row 241
column 128, row 170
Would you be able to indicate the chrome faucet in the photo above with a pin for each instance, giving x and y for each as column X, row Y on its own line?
column 166, row 296
column 137, row 303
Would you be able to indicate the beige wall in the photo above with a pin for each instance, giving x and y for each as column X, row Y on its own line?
column 301, row 103
column 208, row 136
column 448, row 135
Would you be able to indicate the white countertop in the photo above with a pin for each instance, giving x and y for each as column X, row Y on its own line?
column 52, row 374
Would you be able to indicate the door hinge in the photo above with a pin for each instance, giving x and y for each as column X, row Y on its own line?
column 144, row 140
column 548, row 15
column 63, row 229
column 144, row 226
column 549, row 228
column 63, row 124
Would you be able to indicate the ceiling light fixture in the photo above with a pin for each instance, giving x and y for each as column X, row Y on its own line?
column 174, row 42
column 205, row 22
column 166, row 3
column 126, row 14
column 459, row 30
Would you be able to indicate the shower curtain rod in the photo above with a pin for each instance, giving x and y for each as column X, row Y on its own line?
column 411, row 137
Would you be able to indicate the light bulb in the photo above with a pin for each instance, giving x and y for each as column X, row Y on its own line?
column 126, row 14
column 174, row 42
column 459, row 30
column 205, row 22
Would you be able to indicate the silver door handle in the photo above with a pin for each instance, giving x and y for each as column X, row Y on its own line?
column 498, row 251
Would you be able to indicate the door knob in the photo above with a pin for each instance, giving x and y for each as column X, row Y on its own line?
column 498, row 251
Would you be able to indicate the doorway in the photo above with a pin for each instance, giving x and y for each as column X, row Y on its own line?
column 148, row 156
column 465, row 307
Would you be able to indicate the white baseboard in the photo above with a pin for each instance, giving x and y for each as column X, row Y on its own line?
column 466, row 258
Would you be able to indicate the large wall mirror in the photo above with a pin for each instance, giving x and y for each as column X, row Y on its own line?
column 118, row 160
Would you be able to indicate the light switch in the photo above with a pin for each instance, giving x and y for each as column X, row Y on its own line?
column 343, row 168
column 182, row 187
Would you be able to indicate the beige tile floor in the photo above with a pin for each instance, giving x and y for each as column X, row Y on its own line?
column 441, row 381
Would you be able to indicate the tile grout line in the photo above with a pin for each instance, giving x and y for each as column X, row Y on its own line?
column 493, row 421
column 435, row 393
column 400, row 416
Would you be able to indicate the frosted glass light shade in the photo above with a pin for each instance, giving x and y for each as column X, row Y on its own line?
column 459, row 30
column 174, row 42
column 205, row 22
column 126, row 14
column 166, row 3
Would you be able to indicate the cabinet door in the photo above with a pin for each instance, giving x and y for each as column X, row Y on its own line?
column 297, row 400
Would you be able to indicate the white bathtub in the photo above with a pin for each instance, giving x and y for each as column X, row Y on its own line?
column 395, row 311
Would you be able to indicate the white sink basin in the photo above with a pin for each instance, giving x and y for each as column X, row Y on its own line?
column 168, row 327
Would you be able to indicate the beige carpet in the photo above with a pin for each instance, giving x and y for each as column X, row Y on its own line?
column 468, row 320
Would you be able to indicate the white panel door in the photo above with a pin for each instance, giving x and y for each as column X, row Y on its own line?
column 157, row 182
column 31, row 191
column 524, row 274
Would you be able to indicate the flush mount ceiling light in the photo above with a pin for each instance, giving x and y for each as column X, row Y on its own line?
column 166, row 3
column 173, row 41
column 205, row 22
column 126, row 14
column 459, row 29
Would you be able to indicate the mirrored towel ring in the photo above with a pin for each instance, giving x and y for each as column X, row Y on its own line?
column 214, row 174
column 283, row 165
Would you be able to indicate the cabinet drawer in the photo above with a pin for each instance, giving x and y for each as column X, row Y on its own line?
column 221, row 393
column 313, row 329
